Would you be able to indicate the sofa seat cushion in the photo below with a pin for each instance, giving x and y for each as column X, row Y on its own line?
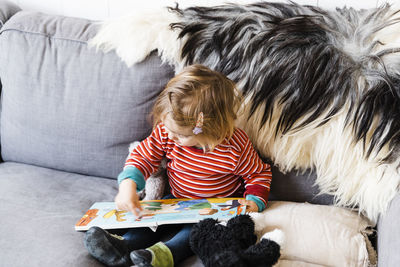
column 39, row 209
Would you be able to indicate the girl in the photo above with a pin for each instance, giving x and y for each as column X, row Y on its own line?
column 208, row 157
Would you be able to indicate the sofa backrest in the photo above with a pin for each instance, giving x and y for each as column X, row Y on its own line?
column 68, row 107
column 297, row 186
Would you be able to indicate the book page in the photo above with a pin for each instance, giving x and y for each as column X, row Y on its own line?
column 158, row 212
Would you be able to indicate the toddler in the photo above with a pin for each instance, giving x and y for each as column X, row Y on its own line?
column 207, row 157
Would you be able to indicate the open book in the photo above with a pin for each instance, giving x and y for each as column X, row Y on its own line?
column 158, row 212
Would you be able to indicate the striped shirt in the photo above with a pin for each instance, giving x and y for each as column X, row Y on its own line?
column 233, row 168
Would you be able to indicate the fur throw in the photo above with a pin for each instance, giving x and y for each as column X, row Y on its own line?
column 322, row 88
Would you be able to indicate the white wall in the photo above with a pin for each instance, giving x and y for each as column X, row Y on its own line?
column 102, row 9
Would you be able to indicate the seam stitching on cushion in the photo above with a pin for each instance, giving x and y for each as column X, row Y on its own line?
column 44, row 35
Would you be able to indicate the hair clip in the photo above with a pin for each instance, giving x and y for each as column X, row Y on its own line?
column 199, row 124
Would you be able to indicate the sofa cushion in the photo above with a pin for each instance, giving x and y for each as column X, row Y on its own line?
column 319, row 234
column 68, row 107
column 7, row 10
column 297, row 187
column 40, row 208
column 389, row 233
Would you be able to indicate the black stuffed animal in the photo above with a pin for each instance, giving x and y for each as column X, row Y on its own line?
column 233, row 245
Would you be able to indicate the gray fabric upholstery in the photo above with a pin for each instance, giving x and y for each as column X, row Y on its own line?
column 389, row 235
column 71, row 110
column 40, row 207
column 7, row 10
column 66, row 107
column 293, row 186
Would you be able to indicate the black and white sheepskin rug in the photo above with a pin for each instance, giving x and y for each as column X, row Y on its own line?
column 322, row 87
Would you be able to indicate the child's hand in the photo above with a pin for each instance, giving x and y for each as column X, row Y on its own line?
column 251, row 206
column 127, row 198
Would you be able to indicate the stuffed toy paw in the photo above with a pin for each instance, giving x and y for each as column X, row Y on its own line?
column 234, row 245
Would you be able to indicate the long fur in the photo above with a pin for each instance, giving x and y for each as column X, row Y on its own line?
column 322, row 87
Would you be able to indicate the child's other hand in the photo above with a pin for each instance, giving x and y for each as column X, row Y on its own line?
column 127, row 198
column 251, row 206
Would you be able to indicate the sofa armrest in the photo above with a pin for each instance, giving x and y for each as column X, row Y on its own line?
column 389, row 235
column 7, row 10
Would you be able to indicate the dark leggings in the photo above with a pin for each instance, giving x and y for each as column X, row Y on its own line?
column 144, row 237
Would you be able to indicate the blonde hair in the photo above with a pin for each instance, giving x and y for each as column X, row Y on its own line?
column 198, row 89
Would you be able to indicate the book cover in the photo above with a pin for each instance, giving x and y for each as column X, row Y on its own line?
column 158, row 212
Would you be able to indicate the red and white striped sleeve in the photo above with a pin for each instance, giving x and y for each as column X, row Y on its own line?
column 148, row 154
column 257, row 175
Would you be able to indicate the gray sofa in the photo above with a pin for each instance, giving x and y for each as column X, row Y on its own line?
column 68, row 115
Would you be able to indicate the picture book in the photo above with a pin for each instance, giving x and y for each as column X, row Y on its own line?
column 158, row 212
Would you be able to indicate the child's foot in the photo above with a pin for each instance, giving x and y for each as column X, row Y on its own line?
column 106, row 248
column 157, row 255
column 141, row 258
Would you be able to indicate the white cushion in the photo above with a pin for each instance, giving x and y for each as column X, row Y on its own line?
column 288, row 263
column 318, row 234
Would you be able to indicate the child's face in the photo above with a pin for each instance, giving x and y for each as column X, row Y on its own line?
column 182, row 135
